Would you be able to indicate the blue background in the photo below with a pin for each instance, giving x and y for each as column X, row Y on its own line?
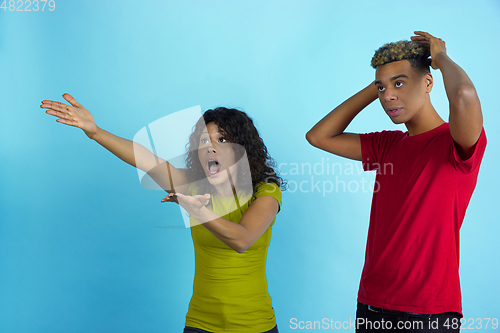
column 84, row 247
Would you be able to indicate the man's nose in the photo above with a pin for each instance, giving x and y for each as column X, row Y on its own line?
column 390, row 95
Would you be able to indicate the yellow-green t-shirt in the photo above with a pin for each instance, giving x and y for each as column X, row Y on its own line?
column 230, row 289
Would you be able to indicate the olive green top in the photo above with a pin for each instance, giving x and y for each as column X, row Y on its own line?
column 230, row 289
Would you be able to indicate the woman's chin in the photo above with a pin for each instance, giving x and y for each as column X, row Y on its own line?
column 216, row 179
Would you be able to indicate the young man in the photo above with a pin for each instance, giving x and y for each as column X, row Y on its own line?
column 426, row 177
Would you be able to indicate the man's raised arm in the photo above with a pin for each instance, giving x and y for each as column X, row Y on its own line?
column 328, row 134
column 466, row 118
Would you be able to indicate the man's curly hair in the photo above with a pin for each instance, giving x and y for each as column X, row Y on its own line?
column 237, row 127
column 416, row 54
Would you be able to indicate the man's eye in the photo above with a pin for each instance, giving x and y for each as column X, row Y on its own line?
column 204, row 140
column 222, row 139
column 380, row 88
column 399, row 84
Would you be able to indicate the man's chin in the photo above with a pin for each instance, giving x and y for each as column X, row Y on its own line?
column 397, row 120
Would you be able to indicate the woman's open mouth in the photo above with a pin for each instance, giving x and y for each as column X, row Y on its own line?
column 213, row 167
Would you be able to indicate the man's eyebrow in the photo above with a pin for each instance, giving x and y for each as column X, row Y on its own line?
column 392, row 78
column 398, row 76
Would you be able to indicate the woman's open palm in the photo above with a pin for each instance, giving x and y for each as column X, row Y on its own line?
column 74, row 115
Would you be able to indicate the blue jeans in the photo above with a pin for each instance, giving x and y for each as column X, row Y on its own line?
column 197, row 330
column 377, row 320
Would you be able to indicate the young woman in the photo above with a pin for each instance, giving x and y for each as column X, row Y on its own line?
column 232, row 192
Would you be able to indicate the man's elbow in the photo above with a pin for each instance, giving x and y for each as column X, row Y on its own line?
column 465, row 98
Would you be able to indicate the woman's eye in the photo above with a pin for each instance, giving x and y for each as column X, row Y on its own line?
column 380, row 88
column 399, row 84
column 204, row 140
column 222, row 139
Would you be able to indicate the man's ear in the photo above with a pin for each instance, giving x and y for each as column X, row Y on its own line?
column 429, row 81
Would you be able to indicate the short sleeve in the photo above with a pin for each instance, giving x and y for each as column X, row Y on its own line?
column 474, row 161
column 270, row 189
column 374, row 147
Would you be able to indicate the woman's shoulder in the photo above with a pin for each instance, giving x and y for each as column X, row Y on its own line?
column 270, row 189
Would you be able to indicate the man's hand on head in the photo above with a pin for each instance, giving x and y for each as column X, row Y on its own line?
column 436, row 45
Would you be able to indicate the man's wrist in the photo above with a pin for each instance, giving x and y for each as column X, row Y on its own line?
column 438, row 59
column 372, row 88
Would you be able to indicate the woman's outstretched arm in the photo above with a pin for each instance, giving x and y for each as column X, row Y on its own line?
column 128, row 151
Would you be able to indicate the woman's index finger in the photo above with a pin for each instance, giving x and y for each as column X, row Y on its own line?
column 58, row 106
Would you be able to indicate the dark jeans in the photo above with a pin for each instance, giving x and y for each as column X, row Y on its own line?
column 375, row 320
column 197, row 330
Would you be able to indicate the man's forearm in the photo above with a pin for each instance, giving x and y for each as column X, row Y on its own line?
column 337, row 120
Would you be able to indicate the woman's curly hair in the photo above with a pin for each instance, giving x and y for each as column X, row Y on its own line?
column 416, row 54
column 237, row 127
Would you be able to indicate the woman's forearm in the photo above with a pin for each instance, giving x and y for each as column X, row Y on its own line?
column 128, row 151
column 230, row 233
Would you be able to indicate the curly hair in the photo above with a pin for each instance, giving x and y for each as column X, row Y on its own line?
column 237, row 127
column 416, row 54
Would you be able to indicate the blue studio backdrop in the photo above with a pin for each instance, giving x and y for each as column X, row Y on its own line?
column 85, row 248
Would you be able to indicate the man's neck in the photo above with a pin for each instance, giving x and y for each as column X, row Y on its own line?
column 426, row 120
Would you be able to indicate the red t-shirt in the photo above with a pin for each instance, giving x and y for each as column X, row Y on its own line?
column 421, row 193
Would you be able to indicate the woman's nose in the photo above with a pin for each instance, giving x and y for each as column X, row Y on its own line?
column 210, row 148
